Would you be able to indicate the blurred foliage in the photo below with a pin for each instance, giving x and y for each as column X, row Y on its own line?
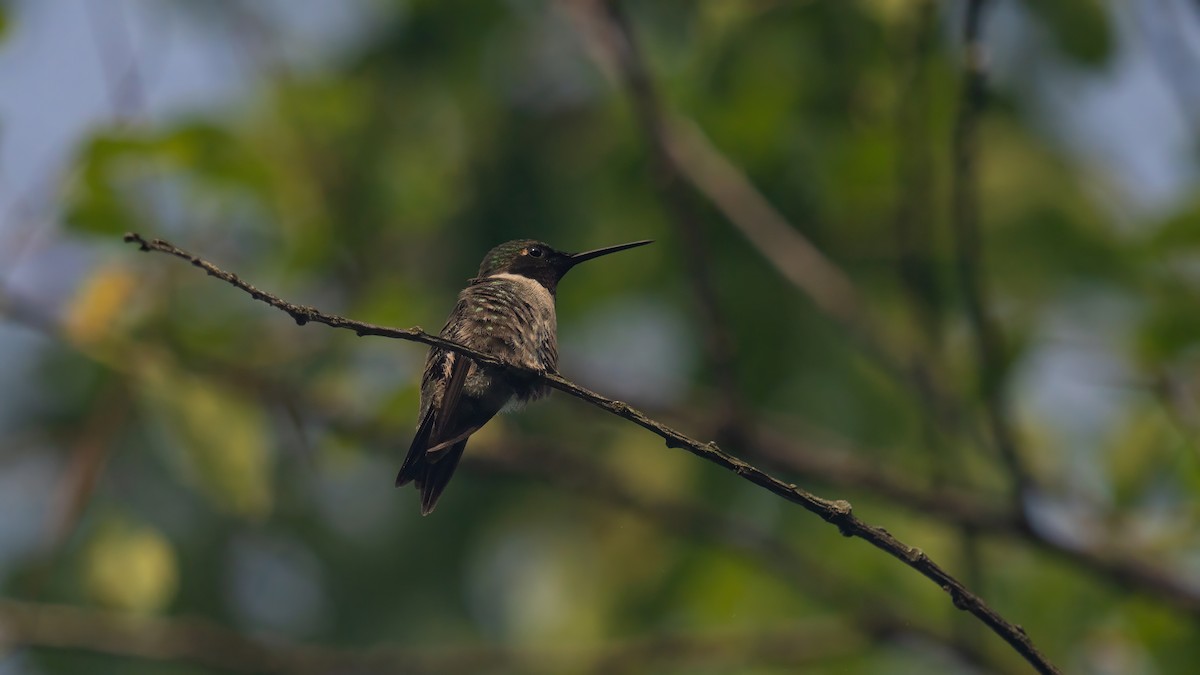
column 1081, row 28
column 251, row 481
column 131, row 567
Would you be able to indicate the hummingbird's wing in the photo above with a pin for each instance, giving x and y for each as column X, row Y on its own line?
column 413, row 466
column 443, row 436
column 438, row 444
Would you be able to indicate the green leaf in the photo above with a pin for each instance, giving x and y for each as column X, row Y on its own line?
column 1135, row 458
column 223, row 437
column 1081, row 28
column 1171, row 327
column 95, row 202
column 116, row 168
column 212, row 154
column 1181, row 231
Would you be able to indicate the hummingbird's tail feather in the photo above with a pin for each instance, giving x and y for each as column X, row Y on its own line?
column 437, row 476
column 414, row 461
column 430, row 472
column 442, row 435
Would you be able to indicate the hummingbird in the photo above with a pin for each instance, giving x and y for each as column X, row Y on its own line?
column 507, row 311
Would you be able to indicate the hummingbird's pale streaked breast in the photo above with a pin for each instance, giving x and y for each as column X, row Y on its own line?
column 506, row 311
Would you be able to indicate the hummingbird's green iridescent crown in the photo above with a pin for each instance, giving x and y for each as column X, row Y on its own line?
column 502, row 256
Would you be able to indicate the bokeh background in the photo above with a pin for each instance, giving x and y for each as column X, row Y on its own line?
column 191, row 483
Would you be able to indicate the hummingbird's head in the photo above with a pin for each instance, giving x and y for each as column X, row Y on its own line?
column 539, row 261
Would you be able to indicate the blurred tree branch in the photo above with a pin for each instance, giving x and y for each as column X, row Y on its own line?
column 681, row 205
column 1117, row 519
column 914, row 228
column 693, row 156
column 90, row 452
column 844, row 468
column 782, row 452
column 989, row 346
column 877, row 617
column 681, row 148
column 192, row 640
column 835, row 512
column 833, row 291
column 961, row 508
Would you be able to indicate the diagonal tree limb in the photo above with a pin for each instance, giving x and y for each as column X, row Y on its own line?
column 838, row 468
column 835, row 512
column 780, row 452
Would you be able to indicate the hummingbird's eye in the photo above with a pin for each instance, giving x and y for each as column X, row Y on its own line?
column 535, row 251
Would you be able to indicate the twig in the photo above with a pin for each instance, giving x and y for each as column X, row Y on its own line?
column 989, row 348
column 835, row 512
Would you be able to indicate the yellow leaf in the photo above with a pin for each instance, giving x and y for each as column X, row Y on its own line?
column 891, row 12
column 131, row 567
column 98, row 304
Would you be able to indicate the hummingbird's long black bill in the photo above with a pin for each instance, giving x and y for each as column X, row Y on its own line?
column 588, row 255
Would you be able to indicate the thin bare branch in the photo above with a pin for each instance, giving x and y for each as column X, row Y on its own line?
column 835, row 512
column 844, row 468
column 831, row 466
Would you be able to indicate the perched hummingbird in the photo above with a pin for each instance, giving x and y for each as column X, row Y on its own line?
column 507, row 311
